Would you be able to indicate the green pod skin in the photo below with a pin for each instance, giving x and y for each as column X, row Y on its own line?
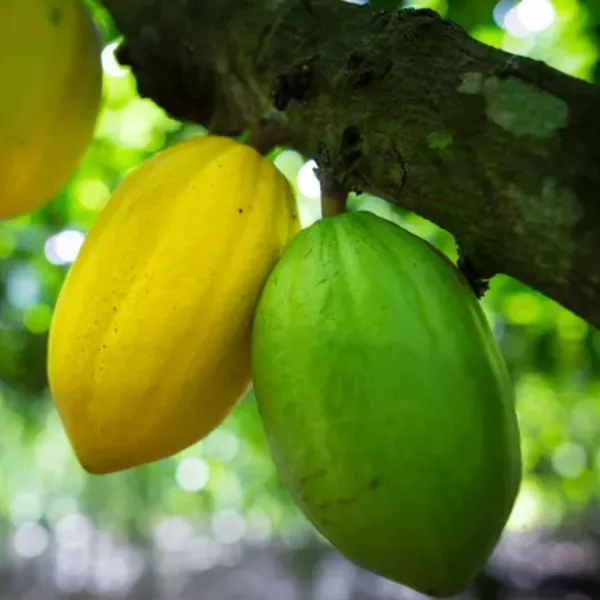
column 386, row 402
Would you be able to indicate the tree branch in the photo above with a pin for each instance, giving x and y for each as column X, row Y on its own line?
column 500, row 150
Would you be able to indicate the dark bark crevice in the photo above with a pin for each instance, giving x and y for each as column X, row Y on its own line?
column 500, row 150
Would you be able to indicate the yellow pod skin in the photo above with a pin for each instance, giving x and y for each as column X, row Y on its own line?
column 149, row 345
column 51, row 89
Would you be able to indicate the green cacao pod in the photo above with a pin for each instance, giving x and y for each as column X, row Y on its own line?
column 386, row 402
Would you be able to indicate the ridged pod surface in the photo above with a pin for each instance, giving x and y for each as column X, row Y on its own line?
column 386, row 402
column 150, row 340
column 51, row 88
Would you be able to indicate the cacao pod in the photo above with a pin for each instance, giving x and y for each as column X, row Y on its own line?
column 150, row 339
column 386, row 402
column 51, row 88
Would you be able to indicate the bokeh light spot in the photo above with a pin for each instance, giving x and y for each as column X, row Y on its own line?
column 259, row 526
column 74, row 529
column 522, row 308
column 569, row 460
column 192, row 474
column 172, row 533
column 37, row 318
column 526, row 18
column 571, row 327
column 30, row 540
column 110, row 64
column 536, row 15
column 228, row 526
column 7, row 243
column 93, row 194
column 222, row 445
column 23, row 287
column 308, row 182
column 528, row 508
column 289, row 162
column 25, row 507
column 135, row 126
column 63, row 248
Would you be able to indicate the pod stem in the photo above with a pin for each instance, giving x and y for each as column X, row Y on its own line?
column 265, row 135
column 333, row 198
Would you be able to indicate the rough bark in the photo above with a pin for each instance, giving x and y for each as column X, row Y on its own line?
column 502, row 151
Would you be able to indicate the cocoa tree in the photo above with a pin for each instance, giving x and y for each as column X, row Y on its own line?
column 500, row 150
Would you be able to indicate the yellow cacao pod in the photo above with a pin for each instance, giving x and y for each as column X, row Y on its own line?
column 51, row 87
column 150, row 340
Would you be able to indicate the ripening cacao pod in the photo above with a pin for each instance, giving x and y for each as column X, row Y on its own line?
column 51, row 89
column 150, row 340
column 386, row 402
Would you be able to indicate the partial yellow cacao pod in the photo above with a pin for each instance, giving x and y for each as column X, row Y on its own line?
column 51, row 88
column 150, row 340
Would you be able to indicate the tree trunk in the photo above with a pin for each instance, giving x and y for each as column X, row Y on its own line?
column 500, row 150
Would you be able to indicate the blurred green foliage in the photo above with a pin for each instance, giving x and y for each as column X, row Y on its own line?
column 227, row 482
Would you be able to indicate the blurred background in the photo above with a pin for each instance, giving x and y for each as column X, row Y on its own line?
column 213, row 522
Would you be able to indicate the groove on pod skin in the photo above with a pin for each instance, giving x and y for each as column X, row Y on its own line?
column 150, row 340
column 387, row 405
column 51, row 91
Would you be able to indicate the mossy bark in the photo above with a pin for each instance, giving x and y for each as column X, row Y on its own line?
column 500, row 150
